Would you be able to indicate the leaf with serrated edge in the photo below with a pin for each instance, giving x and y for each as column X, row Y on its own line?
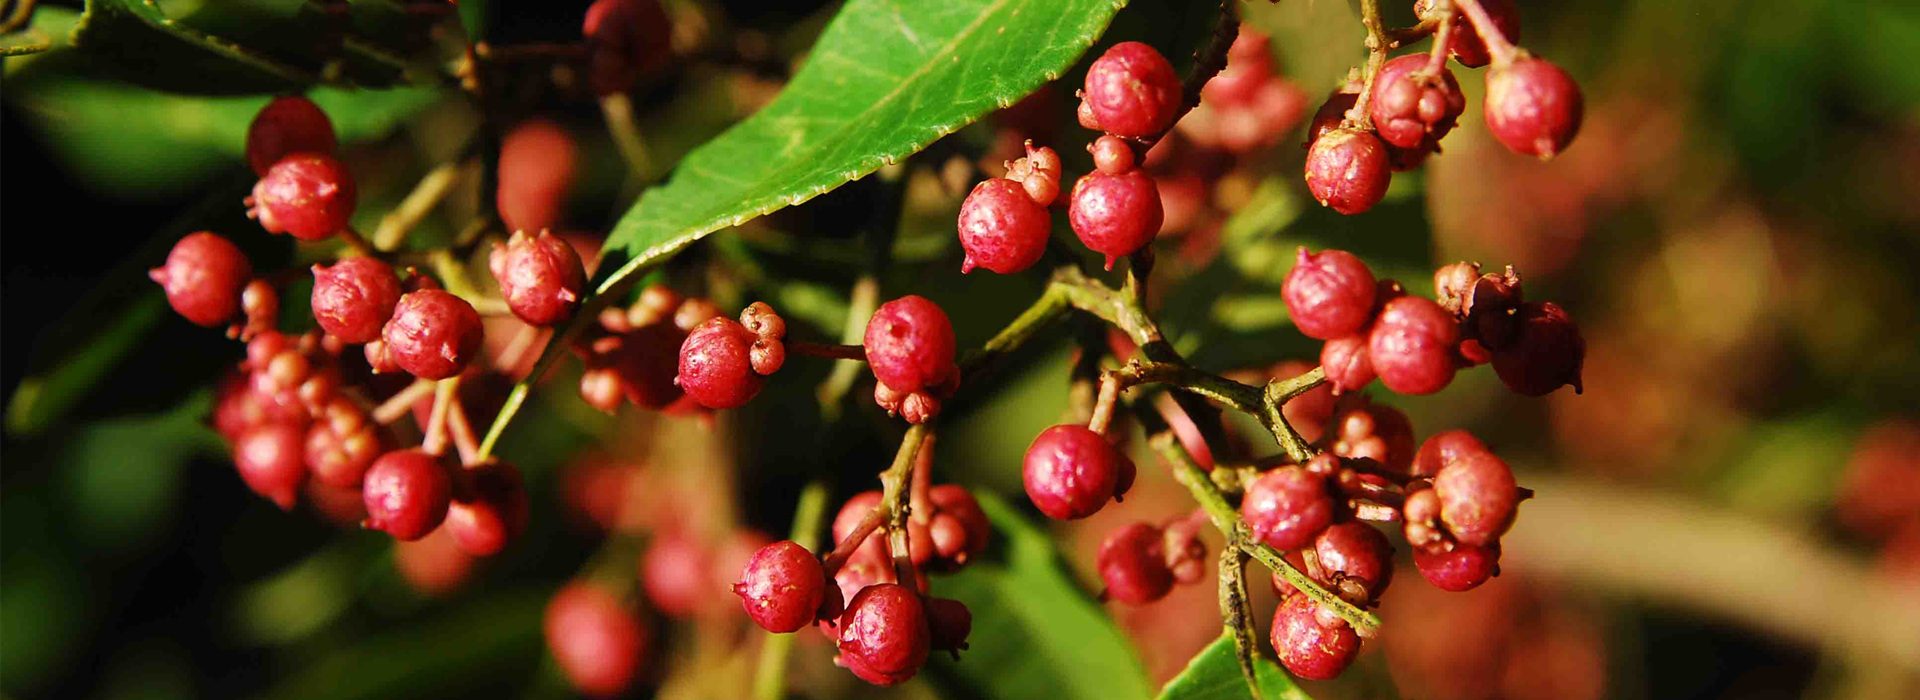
column 1214, row 674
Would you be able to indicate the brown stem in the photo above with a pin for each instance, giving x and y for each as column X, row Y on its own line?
column 834, row 351
column 1359, row 116
column 890, row 509
column 1207, row 63
column 1437, row 56
column 1103, row 404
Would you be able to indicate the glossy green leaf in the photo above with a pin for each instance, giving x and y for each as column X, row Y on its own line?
column 1214, row 674
column 140, row 35
column 1036, row 633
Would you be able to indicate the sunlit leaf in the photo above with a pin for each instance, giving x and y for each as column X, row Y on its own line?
column 1214, row 674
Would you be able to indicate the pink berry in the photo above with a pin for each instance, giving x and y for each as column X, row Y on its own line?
column 1287, row 507
column 1356, row 552
column 1308, row 648
column 949, row 622
column 1331, row 113
column 1133, row 564
column 1329, row 295
column 782, row 587
column 957, row 531
column 1411, row 111
column 1443, row 449
column 1071, row 472
column 540, row 276
column 433, row 334
column 489, row 510
column 537, row 168
column 309, row 196
column 354, row 298
column 1412, row 345
column 340, row 451
column 1131, row 90
column 1347, row 364
column 1115, row 215
column 1375, row 431
column 1462, row 568
column 203, row 277
column 1348, row 170
column 407, row 493
column 1111, row 155
column 1002, row 228
column 270, row 459
column 291, row 124
column 1546, row 352
column 625, row 39
column 597, row 640
column 909, row 344
column 716, row 369
column 1478, row 498
column 1465, row 43
column 1533, row 107
column 884, row 635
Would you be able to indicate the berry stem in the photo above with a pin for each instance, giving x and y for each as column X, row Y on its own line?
column 396, row 406
column 861, row 303
column 892, row 482
column 359, row 244
column 770, row 674
column 834, row 351
column 515, row 353
column 454, row 276
column 1502, row 50
column 462, row 431
column 426, row 195
column 1377, row 43
column 444, row 394
column 1103, row 405
column 919, row 505
column 1207, row 63
column 1437, row 56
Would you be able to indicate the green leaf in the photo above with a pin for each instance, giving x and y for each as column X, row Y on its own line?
column 1214, row 674
column 121, row 477
column 434, row 657
column 142, row 37
column 23, row 42
column 1036, row 634
column 885, row 79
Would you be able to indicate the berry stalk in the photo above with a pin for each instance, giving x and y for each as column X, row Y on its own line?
column 1377, row 43
column 431, row 190
column 832, row 351
column 1503, row 51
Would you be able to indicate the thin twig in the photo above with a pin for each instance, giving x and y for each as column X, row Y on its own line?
column 834, row 351
column 444, row 393
column 1498, row 46
column 399, row 404
column 1377, row 42
column 421, row 201
column 463, row 440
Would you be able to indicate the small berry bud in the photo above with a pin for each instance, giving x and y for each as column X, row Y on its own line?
column 309, row 196
column 949, row 622
column 203, row 278
column 760, row 319
column 354, row 299
column 1111, row 155
column 1375, row 431
column 291, row 124
column 767, row 356
column 339, row 454
column 1131, row 90
column 1355, row 555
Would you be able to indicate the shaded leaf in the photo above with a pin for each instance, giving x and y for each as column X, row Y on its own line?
column 121, row 476
column 143, row 38
column 23, row 42
column 436, row 657
column 1214, row 674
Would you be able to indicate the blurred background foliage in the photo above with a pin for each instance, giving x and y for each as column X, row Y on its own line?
column 1737, row 229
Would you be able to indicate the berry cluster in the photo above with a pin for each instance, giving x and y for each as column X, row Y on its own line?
column 1248, row 105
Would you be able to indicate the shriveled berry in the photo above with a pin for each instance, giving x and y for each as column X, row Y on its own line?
column 1478, row 498
column 1329, row 294
column 1355, row 553
column 433, row 334
column 884, row 635
column 781, row 587
column 1462, row 568
column 1308, row 648
column 1131, row 90
column 909, row 344
column 1071, row 472
column 1002, row 228
column 1115, row 215
column 1133, row 565
column 1287, row 507
column 540, row 276
column 1347, row 364
column 1443, row 449
column 354, row 298
column 760, row 319
column 1413, row 111
column 407, row 493
column 1348, row 170
column 203, row 277
column 1533, row 107
column 625, row 39
column 949, row 622
column 716, row 368
column 309, row 196
column 1412, row 345
column 537, row 165
column 1465, row 42
column 1546, row 353
column 489, row 509
column 290, row 124
column 1375, row 431
column 597, row 639
column 270, row 458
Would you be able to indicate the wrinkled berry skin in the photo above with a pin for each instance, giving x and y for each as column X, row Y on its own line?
column 1412, row 345
column 203, row 277
column 1115, row 215
column 625, row 39
column 290, row 124
column 909, row 344
column 1478, row 498
column 1546, row 353
column 1002, row 228
column 782, row 587
column 1071, row 472
column 354, row 299
column 1358, row 553
column 716, row 369
column 407, row 494
column 1465, row 43
column 1410, row 113
column 1348, row 170
column 1347, row 364
column 1443, row 449
column 1375, row 431
column 538, row 162
column 308, row 196
column 433, row 334
column 540, row 276
column 341, row 459
column 1132, row 563
column 1462, row 568
column 596, row 639
column 884, row 635
column 1131, row 90
column 1287, row 507
column 270, row 458
column 489, row 509
column 1329, row 295
column 1306, row 647
column 1533, row 107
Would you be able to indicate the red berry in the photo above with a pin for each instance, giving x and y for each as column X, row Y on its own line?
column 432, row 565
column 760, row 319
column 1443, row 449
column 407, row 493
column 339, row 450
column 1133, row 564
column 1347, row 170
column 1465, row 43
column 540, row 276
column 1249, row 67
column 1410, row 111
column 1002, row 228
column 291, row 124
column 203, row 277
column 536, row 171
column 270, row 459
column 1478, row 498
column 1308, row 648
column 1115, row 215
column 1375, row 431
column 489, row 510
column 958, row 530
column 625, row 38
column 1412, row 345
column 1331, row 113
column 1462, row 568
column 1131, row 90
column 949, row 622
column 849, row 517
column 309, row 196
column 353, row 299
column 1533, row 107
column 782, row 587
column 1546, row 352
column 433, row 334
column 1358, row 553
column 677, row 573
column 1111, row 155
column 1329, row 295
column 597, row 640
column 909, row 344
column 1287, row 507
column 884, row 635
column 716, row 368
column 1071, row 472
column 1347, row 364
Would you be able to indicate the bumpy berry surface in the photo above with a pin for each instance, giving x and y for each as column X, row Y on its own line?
column 489, row 509
column 626, row 39
column 1533, row 107
column 353, row 299
column 1462, row 568
column 1412, row 345
column 1287, row 507
column 433, row 334
column 1133, row 565
column 958, row 530
column 1329, row 294
column 1443, row 449
column 1071, row 472
column 538, row 162
column 1478, row 497
column 339, row 451
column 1002, row 228
column 540, row 276
column 596, row 639
column 781, row 587
column 270, row 458
column 203, row 277
column 308, row 196
column 1413, row 113
column 1356, row 552
column 1376, row 431
column 1348, row 170
column 1306, row 647
column 884, row 635
column 407, row 493
column 291, row 124
column 1465, row 43
column 1546, row 352
column 1115, row 215
column 1347, row 364
column 1131, row 90
column 716, row 367
column 909, row 344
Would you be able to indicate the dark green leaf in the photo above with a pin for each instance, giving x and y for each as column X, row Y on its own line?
column 436, row 657
column 142, row 37
column 1214, row 674
column 121, row 475
column 23, row 42
column 1036, row 634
